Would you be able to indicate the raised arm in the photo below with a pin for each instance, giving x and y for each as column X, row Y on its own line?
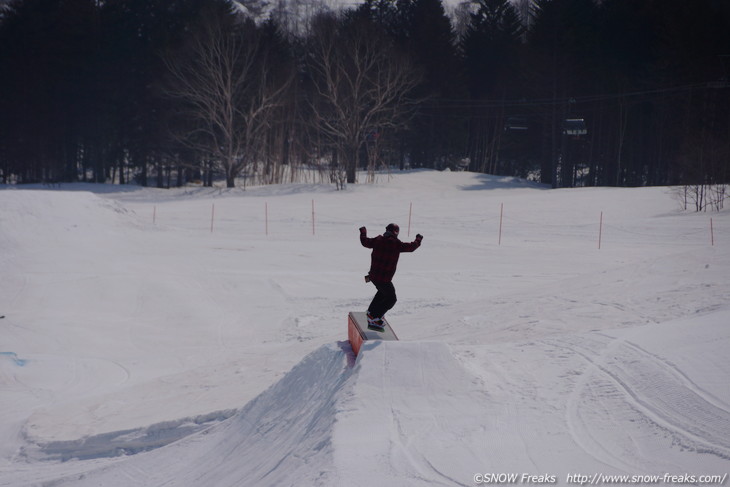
column 411, row 246
column 364, row 240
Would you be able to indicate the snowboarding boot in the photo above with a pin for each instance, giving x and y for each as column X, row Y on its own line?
column 375, row 323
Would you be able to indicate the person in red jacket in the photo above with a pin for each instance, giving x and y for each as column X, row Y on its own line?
column 383, row 263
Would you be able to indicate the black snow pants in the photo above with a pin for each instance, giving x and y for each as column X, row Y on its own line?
column 384, row 299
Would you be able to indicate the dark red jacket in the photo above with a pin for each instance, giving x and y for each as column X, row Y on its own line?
column 386, row 250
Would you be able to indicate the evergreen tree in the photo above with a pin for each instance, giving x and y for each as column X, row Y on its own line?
column 48, row 59
column 491, row 48
column 435, row 138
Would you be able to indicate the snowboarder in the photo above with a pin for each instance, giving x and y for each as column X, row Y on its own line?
column 383, row 263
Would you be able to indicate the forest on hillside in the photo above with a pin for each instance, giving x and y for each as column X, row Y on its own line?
column 167, row 92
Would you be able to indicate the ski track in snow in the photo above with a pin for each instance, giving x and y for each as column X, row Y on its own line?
column 663, row 402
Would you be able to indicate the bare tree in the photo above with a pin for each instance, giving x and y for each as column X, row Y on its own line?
column 227, row 92
column 362, row 86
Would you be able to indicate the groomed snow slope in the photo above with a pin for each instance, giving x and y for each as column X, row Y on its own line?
column 307, row 428
column 141, row 352
column 410, row 414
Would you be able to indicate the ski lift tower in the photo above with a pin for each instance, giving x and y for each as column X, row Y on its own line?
column 573, row 129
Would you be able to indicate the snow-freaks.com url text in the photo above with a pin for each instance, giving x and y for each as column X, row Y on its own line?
column 667, row 478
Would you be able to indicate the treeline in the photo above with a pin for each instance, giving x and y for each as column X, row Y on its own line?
column 567, row 92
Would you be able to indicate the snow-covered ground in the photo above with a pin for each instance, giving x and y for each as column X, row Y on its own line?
column 197, row 336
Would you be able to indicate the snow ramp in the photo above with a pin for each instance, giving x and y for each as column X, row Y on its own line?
column 409, row 418
column 386, row 419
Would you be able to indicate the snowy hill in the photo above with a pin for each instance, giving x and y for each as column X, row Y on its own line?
column 197, row 336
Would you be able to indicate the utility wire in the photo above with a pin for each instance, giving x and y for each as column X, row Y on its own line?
column 523, row 102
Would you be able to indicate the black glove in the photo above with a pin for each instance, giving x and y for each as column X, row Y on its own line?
column 363, row 230
column 419, row 237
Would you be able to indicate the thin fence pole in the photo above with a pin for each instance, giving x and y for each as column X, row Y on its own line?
column 312, row 217
column 212, row 217
column 600, row 231
column 501, row 213
column 410, row 212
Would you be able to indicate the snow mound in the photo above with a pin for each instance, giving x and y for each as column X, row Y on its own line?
column 26, row 212
column 273, row 440
column 75, row 223
column 411, row 411
column 400, row 407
